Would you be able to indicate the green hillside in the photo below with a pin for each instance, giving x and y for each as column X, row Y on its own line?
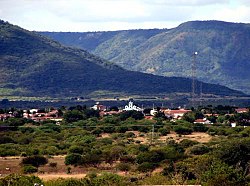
column 33, row 65
column 223, row 50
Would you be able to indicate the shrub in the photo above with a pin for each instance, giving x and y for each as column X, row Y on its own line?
column 6, row 139
column 28, row 169
column 108, row 179
column 182, row 130
column 73, row 159
column 198, row 149
column 35, row 161
column 164, row 131
column 20, row 180
column 146, row 167
column 123, row 166
column 76, row 149
column 187, row 143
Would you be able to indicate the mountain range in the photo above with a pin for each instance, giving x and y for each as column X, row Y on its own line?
column 223, row 50
column 34, row 65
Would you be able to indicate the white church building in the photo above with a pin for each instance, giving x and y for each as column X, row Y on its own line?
column 131, row 106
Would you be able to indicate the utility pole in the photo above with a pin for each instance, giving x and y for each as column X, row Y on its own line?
column 193, row 78
column 152, row 134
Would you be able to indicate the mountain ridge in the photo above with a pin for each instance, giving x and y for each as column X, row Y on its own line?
column 33, row 65
column 222, row 47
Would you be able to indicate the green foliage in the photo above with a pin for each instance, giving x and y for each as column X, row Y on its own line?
column 164, row 131
column 76, row 149
column 187, row 143
column 6, row 139
column 198, row 149
column 68, row 182
column 182, row 130
column 123, row 166
column 35, row 161
column 28, row 169
column 19, row 180
column 107, row 179
column 235, row 153
column 154, row 156
column 133, row 114
column 146, row 167
column 72, row 116
column 155, row 179
column 74, row 159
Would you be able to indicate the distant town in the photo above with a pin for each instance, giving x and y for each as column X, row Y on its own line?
column 207, row 115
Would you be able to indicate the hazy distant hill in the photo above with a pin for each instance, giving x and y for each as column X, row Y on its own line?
column 31, row 64
column 223, row 50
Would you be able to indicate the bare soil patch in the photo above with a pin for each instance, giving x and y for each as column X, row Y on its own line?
column 54, row 176
column 200, row 137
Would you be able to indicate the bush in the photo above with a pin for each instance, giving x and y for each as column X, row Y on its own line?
column 108, row 179
column 182, row 130
column 187, row 143
column 19, row 180
column 123, row 166
column 198, row 149
column 28, row 169
column 73, row 159
column 164, row 131
column 146, row 167
column 35, row 161
column 67, row 182
column 76, row 149
column 6, row 139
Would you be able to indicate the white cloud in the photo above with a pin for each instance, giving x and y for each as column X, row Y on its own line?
column 239, row 14
column 86, row 15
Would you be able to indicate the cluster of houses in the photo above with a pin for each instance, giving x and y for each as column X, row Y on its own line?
column 35, row 115
column 53, row 115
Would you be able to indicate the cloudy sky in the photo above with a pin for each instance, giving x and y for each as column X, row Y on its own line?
column 99, row 15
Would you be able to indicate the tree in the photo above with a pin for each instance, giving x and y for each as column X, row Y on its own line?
column 73, row 116
column 20, row 180
column 35, row 161
column 28, row 169
column 235, row 153
column 108, row 179
column 123, row 166
column 76, row 149
column 133, row 114
column 198, row 149
column 74, row 159
column 164, row 131
column 146, row 167
column 182, row 130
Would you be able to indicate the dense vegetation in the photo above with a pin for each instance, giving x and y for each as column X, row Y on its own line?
column 222, row 161
column 223, row 50
column 34, row 65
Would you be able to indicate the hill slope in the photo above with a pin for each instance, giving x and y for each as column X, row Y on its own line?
column 31, row 64
column 223, row 50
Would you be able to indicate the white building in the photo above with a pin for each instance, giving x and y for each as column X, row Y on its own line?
column 131, row 106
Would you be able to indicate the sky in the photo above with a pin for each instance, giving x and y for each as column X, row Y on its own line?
column 107, row 15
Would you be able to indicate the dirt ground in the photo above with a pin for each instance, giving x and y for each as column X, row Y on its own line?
column 47, row 177
column 195, row 136
column 10, row 165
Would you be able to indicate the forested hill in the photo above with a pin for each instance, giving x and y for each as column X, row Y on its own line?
column 223, row 50
column 31, row 64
